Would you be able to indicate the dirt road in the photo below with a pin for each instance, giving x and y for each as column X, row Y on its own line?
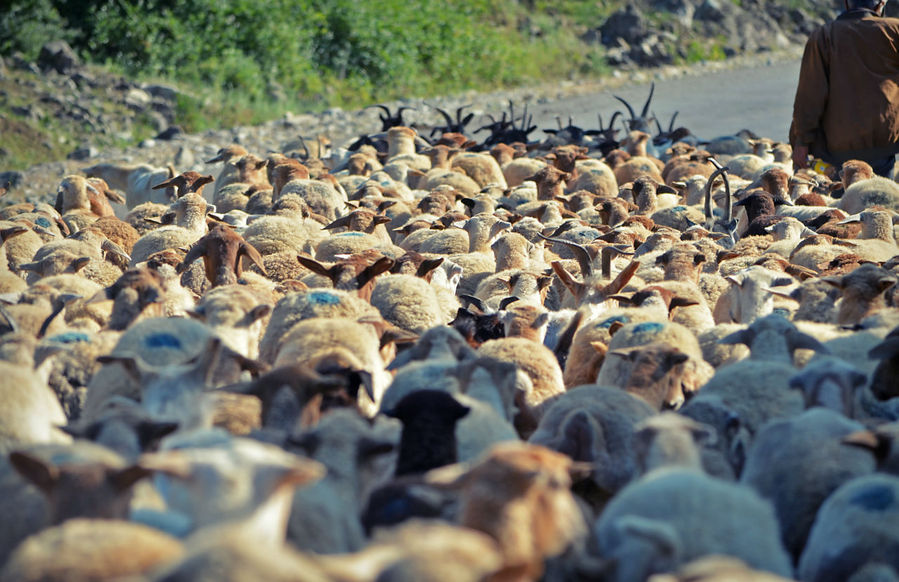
column 758, row 97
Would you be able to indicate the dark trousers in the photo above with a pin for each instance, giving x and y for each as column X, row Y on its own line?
column 883, row 166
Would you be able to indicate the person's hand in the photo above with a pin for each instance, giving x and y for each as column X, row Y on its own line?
column 800, row 157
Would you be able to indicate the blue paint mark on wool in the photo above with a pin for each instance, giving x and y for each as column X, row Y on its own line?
column 163, row 340
column 323, row 298
column 71, row 337
column 354, row 233
column 679, row 208
column 649, row 327
column 875, row 498
column 42, row 222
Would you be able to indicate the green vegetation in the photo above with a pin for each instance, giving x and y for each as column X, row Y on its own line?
column 246, row 61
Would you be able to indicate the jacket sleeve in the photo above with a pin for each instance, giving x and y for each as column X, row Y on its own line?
column 811, row 92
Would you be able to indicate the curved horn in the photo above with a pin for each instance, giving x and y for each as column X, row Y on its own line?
column 446, row 116
column 628, row 105
column 652, row 89
column 580, row 253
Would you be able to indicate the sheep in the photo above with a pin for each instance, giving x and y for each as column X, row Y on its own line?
column 411, row 303
column 883, row 378
column 325, row 517
column 189, row 224
column 489, row 419
column 749, row 298
column 507, row 494
column 596, row 177
column 833, row 383
column 615, row 371
column 428, row 437
column 854, row 528
column 862, row 189
column 47, row 484
column 295, row 307
column 90, row 549
column 210, row 478
column 480, row 167
column 317, row 337
column 673, row 516
column 862, row 292
column 32, row 413
column 136, row 181
column 757, row 389
column 669, row 440
column 174, row 392
column 237, row 315
column 594, row 424
column 419, row 550
column 159, row 341
column 796, row 463
column 540, row 365
column 117, row 231
column 186, row 183
column 354, row 272
column 656, row 375
column 716, row 569
column 146, row 217
column 221, row 249
column 876, row 241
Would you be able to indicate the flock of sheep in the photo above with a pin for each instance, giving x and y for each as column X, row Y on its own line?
column 607, row 355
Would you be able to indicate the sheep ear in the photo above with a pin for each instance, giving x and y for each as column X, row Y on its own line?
column 886, row 349
column 540, row 320
column 382, row 265
column 171, row 463
column 428, row 265
column 314, row 266
column 835, row 281
column 507, row 301
column 681, row 302
column 735, row 279
column 342, row 221
column 659, row 533
column 665, row 189
column 578, row 434
column 149, row 431
column 133, row 365
column 614, row 327
column 576, row 288
column 450, row 477
column 743, row 336
column 797, row 340
column 877, row 443
column 599, row 347
column 38, row 472
column 370, row 447
column 123, row 479
column 257, row 313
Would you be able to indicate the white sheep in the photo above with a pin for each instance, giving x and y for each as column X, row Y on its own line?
column 673, row 516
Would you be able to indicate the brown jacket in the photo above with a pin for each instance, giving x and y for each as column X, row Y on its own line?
column 847, row 101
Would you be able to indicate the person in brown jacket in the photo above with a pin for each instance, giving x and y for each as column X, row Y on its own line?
column 847, row 100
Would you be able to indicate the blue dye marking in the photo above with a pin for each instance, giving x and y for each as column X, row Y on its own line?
column 607, row 323
column 351, row 234
column 649, row 327
column 323, row 298
column 679, row 208
column 42, row 221
column 875, row 498
column 163, row 340
column 785, row 313
column 70, row 337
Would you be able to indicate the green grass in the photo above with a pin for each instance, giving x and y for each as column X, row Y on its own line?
column 234, row 56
